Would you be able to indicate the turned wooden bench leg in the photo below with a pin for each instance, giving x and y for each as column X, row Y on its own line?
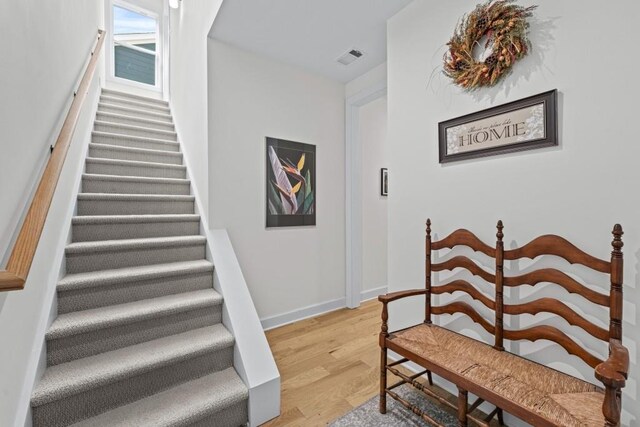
column 383, row 380
column 462, row 407
column 611, row 407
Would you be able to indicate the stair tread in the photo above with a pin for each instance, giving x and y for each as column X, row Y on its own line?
column 129, row 244
column 128, row 219
column 131, row 101
column 132, row 118
column 116, row 315
column 139, row 179
column 135, row 149
column 75, row 377
column 181, row 405
column 132, row 110
column 135, row 197
column 132, row 274
column 134, row 137
column 136, row 163
column 134, row 127
column 116, row 93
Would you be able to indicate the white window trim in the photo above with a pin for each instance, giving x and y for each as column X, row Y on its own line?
column 160, row 62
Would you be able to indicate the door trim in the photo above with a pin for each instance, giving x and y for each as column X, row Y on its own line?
column 353, row 203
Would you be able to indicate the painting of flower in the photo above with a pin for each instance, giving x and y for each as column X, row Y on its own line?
column 290, row 179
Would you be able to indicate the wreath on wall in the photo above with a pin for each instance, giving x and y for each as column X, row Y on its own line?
column 504, row 26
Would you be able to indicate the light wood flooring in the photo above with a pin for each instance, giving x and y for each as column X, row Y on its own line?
column 329, row 365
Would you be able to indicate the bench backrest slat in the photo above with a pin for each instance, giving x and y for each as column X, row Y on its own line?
column 464, row 262
column 544, row 332
column 556, row 245
column 462, row 237
column 464, row 286
column 544, row 245
column 551, row 305
column 463, row 307
column 552, row 275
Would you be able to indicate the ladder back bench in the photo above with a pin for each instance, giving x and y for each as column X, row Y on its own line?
column 535, row 393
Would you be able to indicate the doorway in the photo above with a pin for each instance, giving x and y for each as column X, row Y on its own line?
column 366, row 205
column 135, row 48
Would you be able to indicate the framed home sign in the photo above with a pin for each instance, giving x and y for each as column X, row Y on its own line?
column 525, row 124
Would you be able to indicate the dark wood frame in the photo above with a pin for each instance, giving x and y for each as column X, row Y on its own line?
column 550, row 101
column 275, row 221
column 611, row 372
column 384, row 191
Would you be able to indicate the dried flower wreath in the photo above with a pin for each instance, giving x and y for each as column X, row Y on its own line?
column 505, row 26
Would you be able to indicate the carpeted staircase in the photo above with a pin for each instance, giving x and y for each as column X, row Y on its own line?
column 138, row 340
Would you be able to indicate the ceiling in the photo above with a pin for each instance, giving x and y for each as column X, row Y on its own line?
column 311, row 34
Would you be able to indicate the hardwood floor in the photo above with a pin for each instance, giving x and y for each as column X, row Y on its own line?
column 328, row 364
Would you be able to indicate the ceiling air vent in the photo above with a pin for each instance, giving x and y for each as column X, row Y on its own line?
column 349, row 57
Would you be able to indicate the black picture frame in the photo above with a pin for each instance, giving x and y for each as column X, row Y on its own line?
column 549, row 101
column 384, row 182
column 288, row 154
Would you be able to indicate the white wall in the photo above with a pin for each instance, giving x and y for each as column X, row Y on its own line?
column 367, row 80
column 250, row 98
column 373, row 140
column 189, row 26
column 43, row 57
column 578, row 190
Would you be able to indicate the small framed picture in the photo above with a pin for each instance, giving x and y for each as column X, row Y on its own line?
column 384, row 182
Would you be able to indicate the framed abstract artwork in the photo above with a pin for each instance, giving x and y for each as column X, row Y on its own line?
column 291, row 183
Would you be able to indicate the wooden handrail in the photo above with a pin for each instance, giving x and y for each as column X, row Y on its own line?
column 24, row 249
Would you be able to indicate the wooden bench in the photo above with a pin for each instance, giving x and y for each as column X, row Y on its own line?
column 535, row 393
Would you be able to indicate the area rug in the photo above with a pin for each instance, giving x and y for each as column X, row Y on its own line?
column 397, row 415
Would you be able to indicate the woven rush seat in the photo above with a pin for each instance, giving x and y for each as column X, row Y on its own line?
column 562, row 399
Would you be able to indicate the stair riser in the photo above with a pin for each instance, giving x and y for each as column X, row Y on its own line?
column 95, row 342
column 126, row 187
column 141, row 106
column 121, row 293
column 131, row 388
column 110, row 108
column 233, row 416
column 108, row 260
column 134, row 98
column 135, row 170
column 118, row 231
column 106, row 153
column 128, row 207
column 145, row 133
column 123, row 141
column 133, row 121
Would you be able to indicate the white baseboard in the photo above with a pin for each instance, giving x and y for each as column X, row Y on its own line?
column 373, row 293
column 302, row 313
column 314, row 310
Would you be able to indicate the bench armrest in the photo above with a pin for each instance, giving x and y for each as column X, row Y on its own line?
column 386, row 299
column 613, row 372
